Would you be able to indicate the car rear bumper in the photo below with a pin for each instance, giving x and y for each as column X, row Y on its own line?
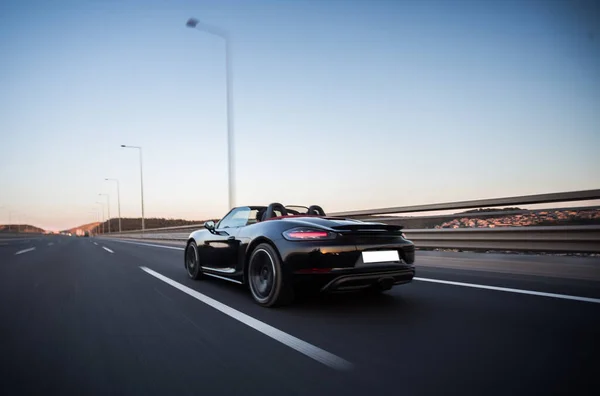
column 342, row 279
column 355, row 281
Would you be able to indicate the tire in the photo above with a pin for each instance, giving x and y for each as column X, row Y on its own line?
column 192, row 263
column 269, row 285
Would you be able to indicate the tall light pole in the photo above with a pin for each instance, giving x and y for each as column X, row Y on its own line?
column 196, row 24
column 108, row 206
column 118, row 200
column 102, row 204
column 141, row 181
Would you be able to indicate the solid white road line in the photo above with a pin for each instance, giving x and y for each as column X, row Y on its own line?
column 107, row 249
column 506, row 289
column 25, row 251
column 150, row 244
column 51, row 243
column 95, row 244
column 303, row 347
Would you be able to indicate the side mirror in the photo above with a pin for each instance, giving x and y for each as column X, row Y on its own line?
column 210, row 225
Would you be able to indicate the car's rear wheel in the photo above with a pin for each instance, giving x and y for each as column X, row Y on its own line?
column 192, row 263
column 268, row 283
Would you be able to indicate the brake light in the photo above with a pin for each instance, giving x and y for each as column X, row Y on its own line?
column 307, row 234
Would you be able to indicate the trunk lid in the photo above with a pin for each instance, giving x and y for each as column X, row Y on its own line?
column 349, row 226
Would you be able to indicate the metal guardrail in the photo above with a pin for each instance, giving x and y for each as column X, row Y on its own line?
column 159, row 230
column 19, row 234
column 572, row 239
column 585, row 195
column 527, row 238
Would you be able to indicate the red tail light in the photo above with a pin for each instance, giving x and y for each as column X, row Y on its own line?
column 307, row 234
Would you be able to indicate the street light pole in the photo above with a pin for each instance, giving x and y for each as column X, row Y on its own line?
column 108, row 206
column 102, row 204
column 194, row 23
column 141, row 182
column 118, row 200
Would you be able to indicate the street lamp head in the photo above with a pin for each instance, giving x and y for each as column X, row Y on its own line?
column 192, row 23
column 122, row 145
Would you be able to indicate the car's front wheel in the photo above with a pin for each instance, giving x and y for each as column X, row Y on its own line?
column 267, row 281
column 192, row 263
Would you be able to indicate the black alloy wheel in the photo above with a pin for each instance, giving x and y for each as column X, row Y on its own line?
column 266, row 279
column 192, row 264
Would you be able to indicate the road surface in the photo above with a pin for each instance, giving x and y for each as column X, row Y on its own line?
column 100, row 316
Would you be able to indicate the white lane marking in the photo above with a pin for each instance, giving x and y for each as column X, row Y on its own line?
column 95, row 244
column 150, row 244
column 107, row 249
column 303, row 347
column 51, row 243
column 506, row 289
column 25, row 251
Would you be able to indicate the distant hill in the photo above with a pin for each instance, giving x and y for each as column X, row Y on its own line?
column 20, row 227
column 504, row 217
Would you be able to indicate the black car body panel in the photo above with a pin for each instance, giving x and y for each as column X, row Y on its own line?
column 332, row 263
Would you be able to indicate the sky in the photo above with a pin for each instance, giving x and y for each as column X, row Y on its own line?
column 345, row 104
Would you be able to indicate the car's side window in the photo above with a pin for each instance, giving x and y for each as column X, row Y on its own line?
column 236, row 218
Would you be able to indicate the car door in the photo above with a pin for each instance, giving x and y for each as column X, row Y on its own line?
column 223, row 244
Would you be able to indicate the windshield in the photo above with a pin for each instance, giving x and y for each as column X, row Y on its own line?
column 296, row 210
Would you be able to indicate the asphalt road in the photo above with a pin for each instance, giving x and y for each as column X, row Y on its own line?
column 93, row 316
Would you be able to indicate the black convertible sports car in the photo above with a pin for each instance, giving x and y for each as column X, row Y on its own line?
column 276, row 249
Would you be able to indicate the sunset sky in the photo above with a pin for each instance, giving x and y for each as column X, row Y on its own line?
column 345, row 104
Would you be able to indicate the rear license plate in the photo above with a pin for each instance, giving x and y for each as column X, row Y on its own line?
column 380, row 256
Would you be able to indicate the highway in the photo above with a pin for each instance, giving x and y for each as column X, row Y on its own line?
column 102, row 316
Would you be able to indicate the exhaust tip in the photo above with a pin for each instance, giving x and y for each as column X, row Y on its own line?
column 385, row 283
